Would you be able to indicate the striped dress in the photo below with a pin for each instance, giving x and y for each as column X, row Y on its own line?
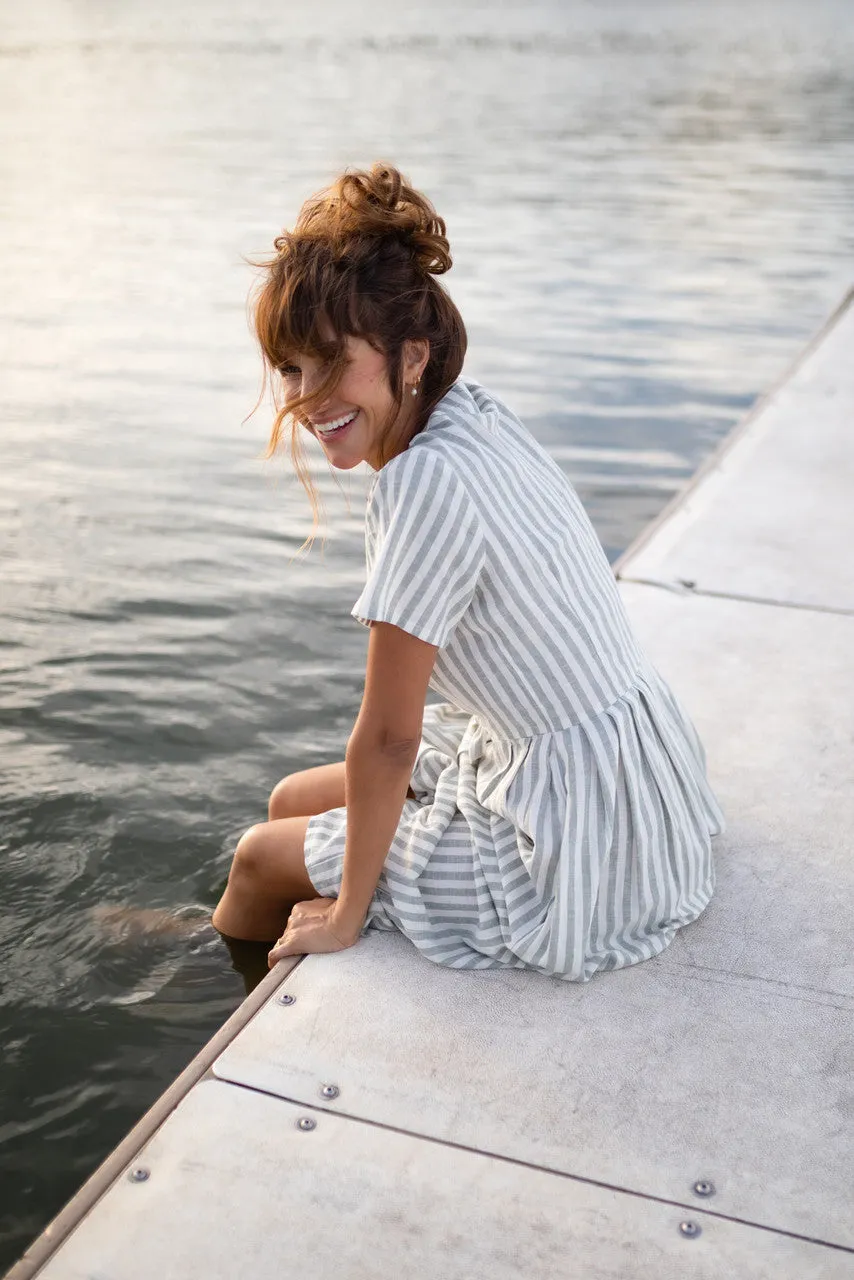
column 562, row 816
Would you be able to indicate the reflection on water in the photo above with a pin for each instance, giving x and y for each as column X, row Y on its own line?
column 650, row 209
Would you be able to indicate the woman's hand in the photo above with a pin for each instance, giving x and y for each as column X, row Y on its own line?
column 313, row 928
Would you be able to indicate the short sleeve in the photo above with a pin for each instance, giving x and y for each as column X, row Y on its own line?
column 424, row 546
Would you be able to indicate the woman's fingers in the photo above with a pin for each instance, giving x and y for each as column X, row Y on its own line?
column 310, row 936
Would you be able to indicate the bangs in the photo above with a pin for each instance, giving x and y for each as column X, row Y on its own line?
column 307, row 305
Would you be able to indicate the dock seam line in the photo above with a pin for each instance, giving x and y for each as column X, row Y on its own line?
column 526, row 1164
column 780, row 989
column 679, row 589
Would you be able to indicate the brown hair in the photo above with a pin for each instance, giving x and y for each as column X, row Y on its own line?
column 361, row 261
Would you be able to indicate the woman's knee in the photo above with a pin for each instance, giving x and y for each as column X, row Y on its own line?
column 270, row 859
column 283, row 799
column 308, row 791
column 251, row 857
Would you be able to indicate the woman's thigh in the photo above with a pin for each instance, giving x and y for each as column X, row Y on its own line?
column 310, row 791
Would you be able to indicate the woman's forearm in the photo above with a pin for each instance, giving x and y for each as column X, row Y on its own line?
column 375, row 784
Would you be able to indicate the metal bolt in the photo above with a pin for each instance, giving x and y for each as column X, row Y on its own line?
column 329, row 1091
column 703, row 1188
column 287, row 998
column 690, row 1229
column 139, row 1175
column 306, row 1123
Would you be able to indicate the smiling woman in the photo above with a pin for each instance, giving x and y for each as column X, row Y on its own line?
column 553, row 811
column 349, row 312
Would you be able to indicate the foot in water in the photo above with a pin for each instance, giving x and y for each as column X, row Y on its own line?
column 122, row 923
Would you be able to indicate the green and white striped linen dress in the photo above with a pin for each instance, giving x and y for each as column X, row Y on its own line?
column 562, row 816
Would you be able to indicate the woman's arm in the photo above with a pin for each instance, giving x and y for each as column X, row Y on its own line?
column 376, row 781
column 379, row 759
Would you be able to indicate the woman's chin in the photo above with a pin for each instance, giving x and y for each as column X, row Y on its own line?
column 346, row 464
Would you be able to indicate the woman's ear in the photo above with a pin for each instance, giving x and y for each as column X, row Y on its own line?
column 416, row 353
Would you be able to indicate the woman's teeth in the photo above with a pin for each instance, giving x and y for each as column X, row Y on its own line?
column 337, row 425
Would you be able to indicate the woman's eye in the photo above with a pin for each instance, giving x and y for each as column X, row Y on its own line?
column 290, row 371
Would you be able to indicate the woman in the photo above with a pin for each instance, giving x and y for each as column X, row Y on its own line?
column 553, row 811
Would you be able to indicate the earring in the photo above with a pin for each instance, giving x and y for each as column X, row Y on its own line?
column 415, row 391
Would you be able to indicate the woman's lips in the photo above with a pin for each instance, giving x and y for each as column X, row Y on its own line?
column 335, row 432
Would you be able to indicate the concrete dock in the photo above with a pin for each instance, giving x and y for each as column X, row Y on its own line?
column 369, row 1113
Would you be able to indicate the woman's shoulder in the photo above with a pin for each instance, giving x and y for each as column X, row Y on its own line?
column 466, row 403
column 466, row 414
column 412, row 475
column 467, row 422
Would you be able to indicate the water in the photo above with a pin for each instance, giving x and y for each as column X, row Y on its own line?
column 650, row 208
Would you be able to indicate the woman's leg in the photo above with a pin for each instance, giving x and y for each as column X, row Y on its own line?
column 310, row 791
column 267, row 877
column 268, row 872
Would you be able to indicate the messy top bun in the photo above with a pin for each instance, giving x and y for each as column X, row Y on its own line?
column 362, row 260
column 380, row 206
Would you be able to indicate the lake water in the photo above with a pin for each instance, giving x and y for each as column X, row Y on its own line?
column 650, row 206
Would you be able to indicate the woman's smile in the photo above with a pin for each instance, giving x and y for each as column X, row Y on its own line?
column 332, row 428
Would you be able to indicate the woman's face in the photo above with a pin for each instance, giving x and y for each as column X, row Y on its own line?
column 348, row 424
